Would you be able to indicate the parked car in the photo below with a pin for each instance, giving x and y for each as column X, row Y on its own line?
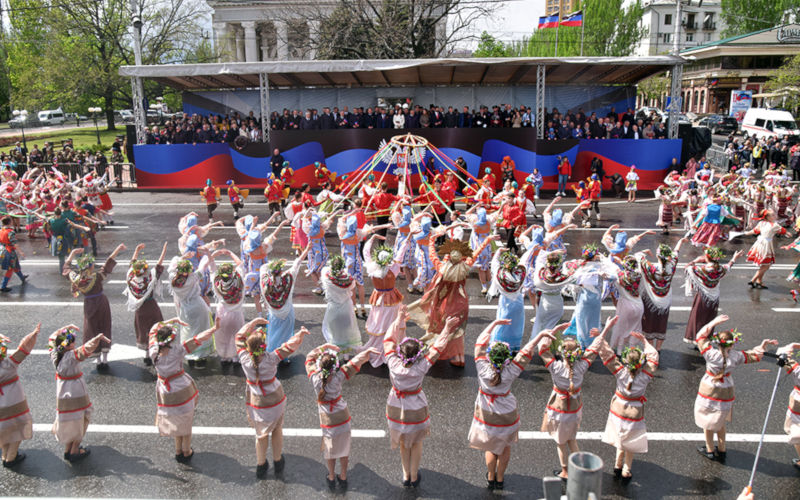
column 765, row 123
column 648, row 110
column 51, row 117
column 683, row 119
column 71, row 117
column 719, row 123
column 30, row 121
column 124, row 115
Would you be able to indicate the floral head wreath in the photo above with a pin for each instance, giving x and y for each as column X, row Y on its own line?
column 61, row 339
column 4, row 346
column 570, row 355
column 509, row 261
column 139, row 266
column 632, row 366
column 716, row 340
column 85, row 261
column 499, row 355
column 554, row 260
column 629, row 263
column 589, row 250
column 262, row 347
column 664, row 251
column 383, row 255
column 714, row 253
column 276, row 266
column 225, row 271
column 403, row 358
column 165, row 340
column 184, row 266
column 333, row 369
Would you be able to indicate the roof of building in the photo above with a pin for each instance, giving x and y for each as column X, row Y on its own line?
column 407, row 72
column 761, row 42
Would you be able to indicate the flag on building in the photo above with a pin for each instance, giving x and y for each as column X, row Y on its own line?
column 574, row 19
column 549, row 21
column 714, row 82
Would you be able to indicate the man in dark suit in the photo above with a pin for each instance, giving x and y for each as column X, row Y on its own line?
column 307, row 123
column 276, row 163
column 465, row 118
column 450, row 118
column 383, row 120
column 627, row 130
column 326, row 121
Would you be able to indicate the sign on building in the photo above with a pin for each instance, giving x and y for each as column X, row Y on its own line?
column 741, row 101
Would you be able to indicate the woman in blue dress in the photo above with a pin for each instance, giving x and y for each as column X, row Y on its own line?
column 482, row 226
column 351, row 237
column 425, row 270
column 589, row 279
column 315, row 226
column 277, row 290
column 401, row 218
column 507, row 279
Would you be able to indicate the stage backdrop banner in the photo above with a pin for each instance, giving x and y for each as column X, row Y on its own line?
column 181, row 166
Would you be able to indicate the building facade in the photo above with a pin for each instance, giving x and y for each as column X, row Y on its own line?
column 700, row 24
column 743, row 62
column 563, row 7
column 269, row 30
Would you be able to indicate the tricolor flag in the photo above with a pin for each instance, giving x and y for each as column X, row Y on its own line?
column 574, row 19
column 549, row 21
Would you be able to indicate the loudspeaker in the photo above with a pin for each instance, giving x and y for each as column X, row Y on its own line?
column 130, row 136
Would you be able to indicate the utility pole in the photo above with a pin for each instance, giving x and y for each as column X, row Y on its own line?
column 676, row 43
column 139, row 117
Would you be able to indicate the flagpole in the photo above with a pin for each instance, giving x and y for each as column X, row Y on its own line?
column 558, row 25
column 583, row 24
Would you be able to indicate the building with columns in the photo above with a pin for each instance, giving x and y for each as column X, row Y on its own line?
column 270, row 30
column 742, row 62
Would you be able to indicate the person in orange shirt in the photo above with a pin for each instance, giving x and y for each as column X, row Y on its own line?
column 211, row 198
column 380, row 204
column 514, row 221
column 274, row 194
column 507, row 167
column 489, row 179
column 287, row 176
column 595, row 192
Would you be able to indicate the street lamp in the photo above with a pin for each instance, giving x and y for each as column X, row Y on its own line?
column 22, row 115
column 95, row 112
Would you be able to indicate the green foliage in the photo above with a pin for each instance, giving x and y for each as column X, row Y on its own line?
column 68, row 54
column 489, row 46
column 653, row 87
column 610, row 29
column 746, row 16
column 787, row 75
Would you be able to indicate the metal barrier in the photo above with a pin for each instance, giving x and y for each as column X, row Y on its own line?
column 717, row 158
column 125, row 173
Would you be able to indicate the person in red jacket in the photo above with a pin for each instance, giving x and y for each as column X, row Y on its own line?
column 380, row 204
column 564, row 172
column 595, row 192
column 489, row 179
column 513, row 221
column 274, row 194
column 211, row 198
column 507, row 167
column 451, row 184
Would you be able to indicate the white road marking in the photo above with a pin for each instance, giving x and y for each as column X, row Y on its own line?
column 118, row 352
column 478, row 307
column 380, row 433
column 786, row 309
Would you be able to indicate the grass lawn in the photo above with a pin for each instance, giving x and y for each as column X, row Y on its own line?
column 81, row 137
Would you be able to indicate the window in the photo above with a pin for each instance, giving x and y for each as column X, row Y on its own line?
column 667, row 37
column 668, row 19
column 707, row 37
column 689, row 37
column 759, row 122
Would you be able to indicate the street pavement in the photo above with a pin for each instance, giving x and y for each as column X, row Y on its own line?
column 130, row 460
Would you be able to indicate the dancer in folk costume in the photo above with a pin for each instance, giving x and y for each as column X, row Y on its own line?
column 407, row 407
column 9, row 254
column 401, row 218
column 495, row 421
column 255, row 251
column 791, row 424
column 446, row 296
column 351, row 237
column 266, row 401
column 564, row 410
column 625, row 427
column 620, row 245
column 229, row 289
column 315, row 227
column 507, row 279
column 588, row 289
column 383, row 266
column 555, row 219
column 210, row 195
column 192, row 308
column 277, row 289
column 666, row 197
column 339, row 325
column 246, row 224
column 236, row 196
column 550, row 276
column 176, row 392
column 657, row 290
column 713, row 407
column 708, row 224
column 631, row 182
column 73, row 407
column 762, row 253
column 327, row 373
column 16, row 422
column 192, row 246
column 88, row 281
column 630, row 309
column 703, row 276
column 421, row 236
column 143, row 290
column 294, row 213
column 482, row 225
column 533, row 247
column 794, row 276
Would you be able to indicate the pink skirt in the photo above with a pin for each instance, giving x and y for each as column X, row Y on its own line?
column 707, row 235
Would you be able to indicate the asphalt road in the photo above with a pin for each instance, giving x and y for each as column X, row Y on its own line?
column 130, row 460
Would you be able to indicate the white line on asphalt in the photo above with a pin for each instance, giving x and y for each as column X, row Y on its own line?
column 786, row 309
column 478, row 307
column 380, row 433
column 212, row 431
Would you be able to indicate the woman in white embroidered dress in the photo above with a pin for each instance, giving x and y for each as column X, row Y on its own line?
column 16, row 423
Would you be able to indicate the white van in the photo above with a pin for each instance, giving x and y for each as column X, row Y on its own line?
column 765, row 123
column 51, row 117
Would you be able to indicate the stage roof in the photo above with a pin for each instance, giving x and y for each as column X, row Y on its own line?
column 407, row 72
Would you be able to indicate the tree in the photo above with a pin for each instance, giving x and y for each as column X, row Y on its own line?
column 489, row 46
column 384, row 29
column 653, row 87
column 81, row 44
column 787, row 75
column 745, row 16
column 610, row 29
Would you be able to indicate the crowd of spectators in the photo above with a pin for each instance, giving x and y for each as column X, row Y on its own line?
column 761, row 153
column 65, row 156
column 195, row 129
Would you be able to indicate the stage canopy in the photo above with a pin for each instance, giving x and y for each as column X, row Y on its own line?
column 454, row 72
